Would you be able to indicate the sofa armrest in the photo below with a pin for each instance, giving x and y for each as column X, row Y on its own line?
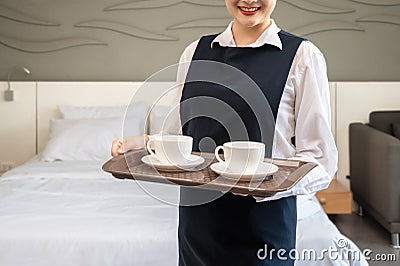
column 375, row 169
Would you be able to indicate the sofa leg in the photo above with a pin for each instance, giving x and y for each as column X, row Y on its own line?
column 360, row 211
column 395, row 240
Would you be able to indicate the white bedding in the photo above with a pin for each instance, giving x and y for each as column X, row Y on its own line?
column 72, row 213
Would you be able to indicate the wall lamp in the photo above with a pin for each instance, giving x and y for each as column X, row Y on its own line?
column 9, row 94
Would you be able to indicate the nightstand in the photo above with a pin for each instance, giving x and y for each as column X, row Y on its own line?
column 336, row 199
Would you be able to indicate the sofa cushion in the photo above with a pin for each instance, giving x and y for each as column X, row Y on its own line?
column 396, row 130
column 383, row 120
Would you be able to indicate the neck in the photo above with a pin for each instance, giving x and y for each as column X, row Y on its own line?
column 246, row 35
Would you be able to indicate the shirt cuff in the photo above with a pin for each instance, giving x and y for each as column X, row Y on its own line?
column 315, row 180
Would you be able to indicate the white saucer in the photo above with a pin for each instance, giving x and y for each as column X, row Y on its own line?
column 193, row 161
column 265, row 169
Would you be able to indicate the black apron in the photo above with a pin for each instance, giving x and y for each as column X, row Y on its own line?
column 218, row 105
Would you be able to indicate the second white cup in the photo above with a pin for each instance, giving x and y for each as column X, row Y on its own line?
column 242, row 156
column 171, row 149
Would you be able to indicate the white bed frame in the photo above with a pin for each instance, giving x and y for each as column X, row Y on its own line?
column 25, row 121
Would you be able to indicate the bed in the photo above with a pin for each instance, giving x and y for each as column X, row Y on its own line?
column 72, row 213
column 60, row 208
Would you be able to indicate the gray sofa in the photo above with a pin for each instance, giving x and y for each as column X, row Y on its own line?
column 375, row 169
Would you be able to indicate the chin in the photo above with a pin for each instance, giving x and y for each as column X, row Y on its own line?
column 249, row 23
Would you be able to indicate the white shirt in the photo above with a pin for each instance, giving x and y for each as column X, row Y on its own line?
column 304, row 110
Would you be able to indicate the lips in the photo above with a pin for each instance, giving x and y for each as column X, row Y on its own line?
column 248, row 11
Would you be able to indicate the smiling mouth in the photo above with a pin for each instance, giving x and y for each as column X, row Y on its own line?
column 248, row 10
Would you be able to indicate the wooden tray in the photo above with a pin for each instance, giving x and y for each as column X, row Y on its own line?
column 130, row 166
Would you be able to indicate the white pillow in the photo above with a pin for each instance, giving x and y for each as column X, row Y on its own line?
column 139, row 109
column 87, row 139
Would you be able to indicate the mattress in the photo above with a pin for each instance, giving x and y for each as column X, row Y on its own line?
column 73, row 213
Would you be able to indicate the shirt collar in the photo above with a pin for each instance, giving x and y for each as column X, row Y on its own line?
column 269, row 36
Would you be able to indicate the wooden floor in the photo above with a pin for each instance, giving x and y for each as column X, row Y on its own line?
column 367, row 234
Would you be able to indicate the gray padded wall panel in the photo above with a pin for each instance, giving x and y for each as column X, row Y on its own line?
column 119, row 40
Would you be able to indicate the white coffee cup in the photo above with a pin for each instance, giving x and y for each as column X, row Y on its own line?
column 171, row 149
column 242, row 156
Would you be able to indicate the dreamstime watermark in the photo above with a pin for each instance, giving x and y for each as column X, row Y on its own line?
column 341, row 250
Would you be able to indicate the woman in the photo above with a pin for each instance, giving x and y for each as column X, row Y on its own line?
column 291, row 73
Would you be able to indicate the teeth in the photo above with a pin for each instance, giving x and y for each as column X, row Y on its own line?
column 249, row 9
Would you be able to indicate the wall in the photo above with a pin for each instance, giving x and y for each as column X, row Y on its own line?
column 18, row 124
column 111, row 40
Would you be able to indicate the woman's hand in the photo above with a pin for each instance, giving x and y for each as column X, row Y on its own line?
column 120, row 146
column 117, row 147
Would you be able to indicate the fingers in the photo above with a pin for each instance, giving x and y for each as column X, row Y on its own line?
column 117, row 147
column 120, row 146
